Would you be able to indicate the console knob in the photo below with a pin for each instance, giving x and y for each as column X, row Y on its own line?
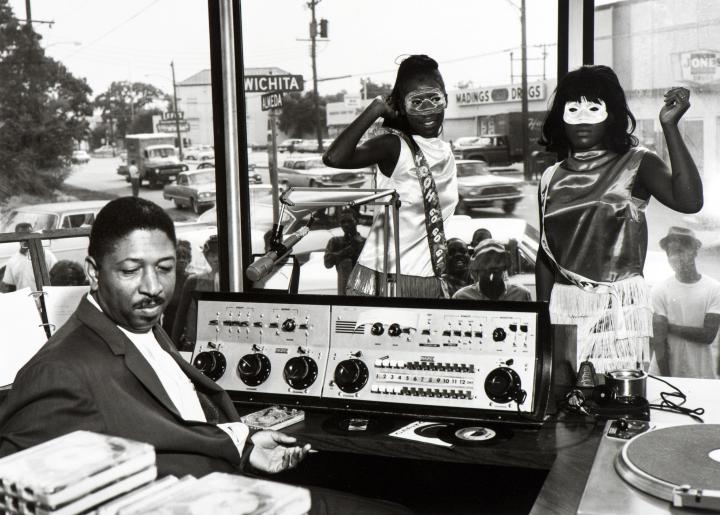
column 300, row 372
column 351, row 375
column 253, row 369
column 288, row 325
column 394, row 330
column 377, row 329
column 499, row 334
column 211, row 363
column 503, row 385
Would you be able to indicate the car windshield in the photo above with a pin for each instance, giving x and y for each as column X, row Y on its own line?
column 471, row 169
column 201, row 178
column 472, row 141
column 315, row 163
column 161, row 152
column 39, row 221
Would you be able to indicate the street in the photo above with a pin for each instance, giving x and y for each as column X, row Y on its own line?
column 100, row 175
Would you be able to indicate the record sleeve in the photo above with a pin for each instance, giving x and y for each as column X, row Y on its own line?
column 112, row 507
column 68, row 467
column 228, row 494
column 274, row 417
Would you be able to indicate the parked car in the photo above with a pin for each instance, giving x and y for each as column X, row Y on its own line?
column 253, row 176
column 104, row 151
column 49, row 217
column 478, row 188
column 200, row 153
column 311, row 171
column 288, row 145
column 79, row 157
column 194, row 189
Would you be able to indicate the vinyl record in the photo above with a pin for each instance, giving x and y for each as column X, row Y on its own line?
column 431, row 430
column 474, row 436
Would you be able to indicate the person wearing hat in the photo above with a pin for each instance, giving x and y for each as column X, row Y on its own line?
column 183, row 331
column 686, row 312
column 489, row 268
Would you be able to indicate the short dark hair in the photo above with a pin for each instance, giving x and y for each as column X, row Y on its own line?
column 413, row 67
column 594, row 82
column 122, row 216
column 67, row 273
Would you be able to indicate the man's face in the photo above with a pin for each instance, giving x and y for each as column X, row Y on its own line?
column 681, row 256
column 213, row 259
column 458, row 257
column 135, row 281
column 347, row 223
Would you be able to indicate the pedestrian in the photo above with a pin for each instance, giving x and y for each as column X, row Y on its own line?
column 67, row 273
column 592, row 213
column 183, row 258
column 686, row 312
column 489, row 268
column 480, row 235
column 19, row 272
column 342, row 252
column 415, row 162
column 134, row 175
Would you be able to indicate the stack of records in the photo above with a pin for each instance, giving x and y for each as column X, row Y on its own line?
column 220, row 494
column 73, row 473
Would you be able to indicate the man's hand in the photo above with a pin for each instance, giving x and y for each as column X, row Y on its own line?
column 272, row 452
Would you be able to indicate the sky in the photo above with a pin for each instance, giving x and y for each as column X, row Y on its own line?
column 107, row 40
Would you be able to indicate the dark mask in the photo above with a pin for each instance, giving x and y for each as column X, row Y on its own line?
column 492, row 285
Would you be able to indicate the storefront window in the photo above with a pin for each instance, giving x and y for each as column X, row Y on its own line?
column 88, row 88
column 654, row 46
column 353, row 52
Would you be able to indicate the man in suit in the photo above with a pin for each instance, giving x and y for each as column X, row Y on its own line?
column 112, row 369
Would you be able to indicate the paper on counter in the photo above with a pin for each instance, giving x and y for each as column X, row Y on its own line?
column 410, row 432
column 61, row 302
column 22, row 332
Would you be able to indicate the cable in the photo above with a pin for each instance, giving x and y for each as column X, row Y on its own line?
column 676, row 407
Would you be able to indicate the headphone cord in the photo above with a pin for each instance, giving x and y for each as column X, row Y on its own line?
column 670, row 404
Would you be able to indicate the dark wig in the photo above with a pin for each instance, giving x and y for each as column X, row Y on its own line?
column 413, row 67
column 594, row 83
column 122, row 216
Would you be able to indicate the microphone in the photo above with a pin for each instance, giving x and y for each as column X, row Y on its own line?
column 265, row 264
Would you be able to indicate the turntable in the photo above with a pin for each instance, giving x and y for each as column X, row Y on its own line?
column 661, row 470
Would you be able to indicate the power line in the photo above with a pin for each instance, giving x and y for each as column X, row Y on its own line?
column 104, row 35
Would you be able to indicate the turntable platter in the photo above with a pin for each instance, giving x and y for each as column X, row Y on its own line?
column 658, row 462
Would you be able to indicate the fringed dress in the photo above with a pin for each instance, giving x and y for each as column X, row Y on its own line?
column 594, row 231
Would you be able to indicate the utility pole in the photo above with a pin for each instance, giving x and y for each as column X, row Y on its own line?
column 527, row 172
column 28, row 14
column 313, row 45
column 177, row 118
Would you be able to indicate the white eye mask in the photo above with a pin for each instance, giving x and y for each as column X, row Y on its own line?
column 585, row 112
column 425, row 101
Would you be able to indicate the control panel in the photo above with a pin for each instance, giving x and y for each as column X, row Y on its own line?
column 263, row 347
column 367, row 354
column 434, row 357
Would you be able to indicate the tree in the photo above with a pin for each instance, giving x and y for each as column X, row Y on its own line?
column 373, row 89
column 297, row 118
column 43, row 107
column 124, row 100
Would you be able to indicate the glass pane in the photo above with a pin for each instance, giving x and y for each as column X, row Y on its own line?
column 113, row 87
column 653, row 47
column 356, row 57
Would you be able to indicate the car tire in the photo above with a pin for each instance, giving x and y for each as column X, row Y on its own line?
column 195, row 207
column 509, row 207
column 312, row 183
column 177, row 203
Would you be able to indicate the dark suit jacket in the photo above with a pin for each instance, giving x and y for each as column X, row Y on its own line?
column 90, row 376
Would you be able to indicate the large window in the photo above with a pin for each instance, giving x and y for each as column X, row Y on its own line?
column 351, row 51
column 655, row 45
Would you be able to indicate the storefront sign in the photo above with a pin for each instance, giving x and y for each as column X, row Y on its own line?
column 173, row 126
column 512, row 93
column 701, row 66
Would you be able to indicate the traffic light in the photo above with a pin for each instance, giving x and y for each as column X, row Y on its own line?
column 323, row 28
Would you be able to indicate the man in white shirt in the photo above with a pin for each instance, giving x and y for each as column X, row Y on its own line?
column 134, row 175
column 687, row 312
column 112, row 369
column 19, row 272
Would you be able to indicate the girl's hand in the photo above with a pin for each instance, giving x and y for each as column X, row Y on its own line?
column 677, row 102
column 386, row 107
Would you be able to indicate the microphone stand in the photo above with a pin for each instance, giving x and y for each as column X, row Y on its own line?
column 355, row 197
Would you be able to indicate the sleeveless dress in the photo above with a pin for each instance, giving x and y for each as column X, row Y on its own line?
column 595, row 233
column 417, row 276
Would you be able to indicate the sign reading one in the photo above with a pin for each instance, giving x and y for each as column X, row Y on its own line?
column 269, row 83
column 170, row 126
column 700, row 66
column 271, row 101
column 500, row 94
column 171, row 115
